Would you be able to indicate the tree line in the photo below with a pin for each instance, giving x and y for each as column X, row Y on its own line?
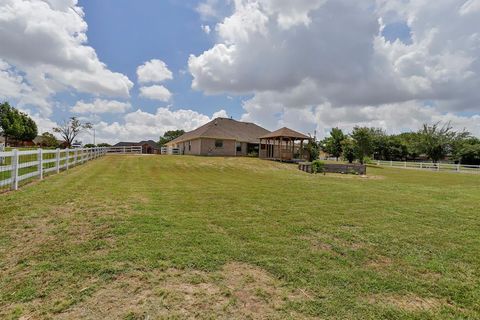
column 16, row 125
column 435, row 142
column 19, row 127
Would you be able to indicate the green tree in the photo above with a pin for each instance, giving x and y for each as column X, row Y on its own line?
column 411, row 141
column 333, row 144
column 89, row 145
column 49, row 140
column 104, row 144
column 10, row 122
column 169, row 136
column 29, row 128
column 348, row 148
column 71, row 128
column 363, row 143
column 437, row 141
column 469, row 152
column 15, row 124
column 312, row 149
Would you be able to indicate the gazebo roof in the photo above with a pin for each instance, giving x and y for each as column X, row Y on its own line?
column 285, row 133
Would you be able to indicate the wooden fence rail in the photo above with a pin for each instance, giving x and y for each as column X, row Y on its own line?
column 21, row 165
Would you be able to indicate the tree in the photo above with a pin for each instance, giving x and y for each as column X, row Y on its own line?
column 169, row 136
column 411, row 141
column 312, row 149
column 333, row 144
column 104, row 144
column 29, row 128
column 49, row 140
column 10, row 121
column 437, row 141
column 348, row 148
column 363, row 143
column 70, row 129
column 15, row 124
column 469, row 152
column 89, row 145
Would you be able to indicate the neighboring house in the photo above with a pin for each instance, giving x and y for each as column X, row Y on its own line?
column 221, row 137
column 16, row 143
column 148, row 146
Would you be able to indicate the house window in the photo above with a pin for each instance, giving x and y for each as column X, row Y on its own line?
column 218, row 143
column 263, row 146
column 189, row 145
column 239, row 147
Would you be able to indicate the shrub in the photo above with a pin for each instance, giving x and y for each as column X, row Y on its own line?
column 318, row 166
column 367, row 160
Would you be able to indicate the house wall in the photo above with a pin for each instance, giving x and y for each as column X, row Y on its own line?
column 195, row 147
column 208, row 148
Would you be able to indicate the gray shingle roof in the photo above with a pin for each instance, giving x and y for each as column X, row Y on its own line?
column 227, row 129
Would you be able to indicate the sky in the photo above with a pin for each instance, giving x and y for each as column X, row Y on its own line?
column 136, row 69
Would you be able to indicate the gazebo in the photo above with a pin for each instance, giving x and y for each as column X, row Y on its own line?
column 281, row 145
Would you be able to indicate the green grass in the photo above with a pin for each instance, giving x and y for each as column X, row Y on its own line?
column 401, row 244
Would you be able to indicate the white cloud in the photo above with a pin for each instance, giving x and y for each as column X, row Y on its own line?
column 470, row 6
column 297, row 57
column 206, row 28
column 153, row 71
column 208, row 9
column 46, row 41
column 156, row 92
column 99, row 106
column 141, row 125
column 394, row 118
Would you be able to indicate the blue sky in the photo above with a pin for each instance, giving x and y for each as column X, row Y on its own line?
column 125, row 34
column 305, row 64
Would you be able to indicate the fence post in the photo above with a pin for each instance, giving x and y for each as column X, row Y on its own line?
column 57, row 155
column 75, row 157
column 391, row 163
column 438, row 166
column 14, row 175
column 405, row 164
column 2, row 149
column 40, row 164
column 67, row 152
column 458, row 167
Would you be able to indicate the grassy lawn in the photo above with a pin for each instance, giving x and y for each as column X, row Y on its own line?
column 131, row 237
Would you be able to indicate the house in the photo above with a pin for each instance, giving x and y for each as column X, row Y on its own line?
column 148, row 146
column 221, row 137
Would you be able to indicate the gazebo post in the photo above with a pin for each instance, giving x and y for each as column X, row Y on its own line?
column 301, row 148
column 259, row 148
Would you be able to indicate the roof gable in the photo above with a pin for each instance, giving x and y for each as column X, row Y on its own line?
column 225, row 128
column 285, row 133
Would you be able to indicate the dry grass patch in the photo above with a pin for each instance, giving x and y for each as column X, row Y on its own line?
column 238, row 291
column 409, row 302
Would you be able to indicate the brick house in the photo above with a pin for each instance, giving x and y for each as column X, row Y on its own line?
column 221, row 137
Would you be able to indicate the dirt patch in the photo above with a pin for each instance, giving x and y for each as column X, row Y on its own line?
column 410, row 302
column 238, row 291
column 380, row 263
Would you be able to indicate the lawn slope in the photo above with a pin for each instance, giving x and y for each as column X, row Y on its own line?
column 159, row 236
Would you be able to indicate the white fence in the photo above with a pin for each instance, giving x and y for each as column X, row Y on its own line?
column 170, row 150
column 446, row 167
column 125, row 150
column 17, row 166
